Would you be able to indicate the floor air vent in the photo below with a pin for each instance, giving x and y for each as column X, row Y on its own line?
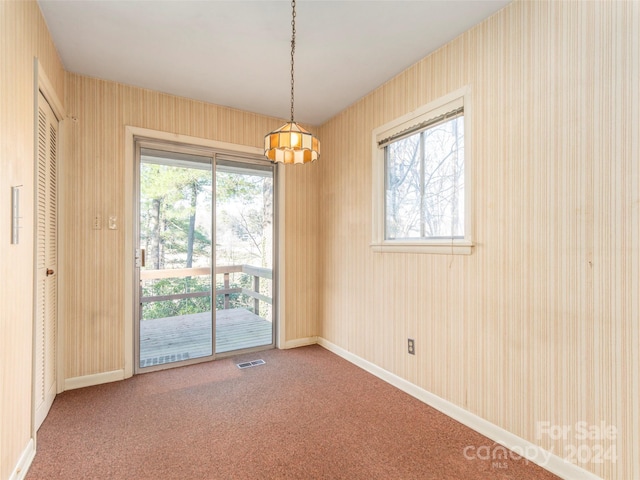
column 253, row 363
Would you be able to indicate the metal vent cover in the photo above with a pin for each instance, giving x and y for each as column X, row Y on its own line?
column 253, row 363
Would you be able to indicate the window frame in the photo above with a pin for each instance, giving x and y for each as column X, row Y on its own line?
column 432, row 110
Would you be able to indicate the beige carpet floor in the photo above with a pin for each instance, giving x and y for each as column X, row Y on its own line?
column 305, row 414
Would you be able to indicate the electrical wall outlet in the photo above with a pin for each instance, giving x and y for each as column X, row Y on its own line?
column 113, row 222
column 97, row 222
column 411, row 346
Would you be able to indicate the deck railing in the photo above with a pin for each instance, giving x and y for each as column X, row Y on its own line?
column 226, row 291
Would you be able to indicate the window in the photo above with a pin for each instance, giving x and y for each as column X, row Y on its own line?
column 421, row 180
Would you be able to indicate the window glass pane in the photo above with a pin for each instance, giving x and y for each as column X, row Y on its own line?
column 444, row 180
column 403, row 179
column 424, row 176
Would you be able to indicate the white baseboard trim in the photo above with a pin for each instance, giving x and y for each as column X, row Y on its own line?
column 95, row 379
column 522, row 447
column 299, row 342
column 22, row 467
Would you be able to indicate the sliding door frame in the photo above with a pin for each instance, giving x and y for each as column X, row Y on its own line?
column 199, row 146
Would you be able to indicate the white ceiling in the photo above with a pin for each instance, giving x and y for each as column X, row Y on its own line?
column 237, row 53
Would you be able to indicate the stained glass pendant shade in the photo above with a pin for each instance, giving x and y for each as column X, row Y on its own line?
column 291, row 143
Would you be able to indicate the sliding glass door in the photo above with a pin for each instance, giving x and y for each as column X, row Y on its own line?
column 205, row 255
column 175, row 242
column 244, row 255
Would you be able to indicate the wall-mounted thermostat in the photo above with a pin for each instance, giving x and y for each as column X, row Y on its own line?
column 15, row 215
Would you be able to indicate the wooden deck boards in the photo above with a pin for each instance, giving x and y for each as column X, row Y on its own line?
column 183, row 337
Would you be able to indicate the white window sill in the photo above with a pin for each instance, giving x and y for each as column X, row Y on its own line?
column 457, row 247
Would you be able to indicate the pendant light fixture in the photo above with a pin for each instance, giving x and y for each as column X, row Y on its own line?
column 291, row 143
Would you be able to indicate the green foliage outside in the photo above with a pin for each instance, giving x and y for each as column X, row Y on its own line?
column 184, row 306
column 175, row 231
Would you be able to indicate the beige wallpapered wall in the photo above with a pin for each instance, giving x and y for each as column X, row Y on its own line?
column 541, row 322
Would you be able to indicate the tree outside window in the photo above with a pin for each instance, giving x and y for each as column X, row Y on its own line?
column 424, row 183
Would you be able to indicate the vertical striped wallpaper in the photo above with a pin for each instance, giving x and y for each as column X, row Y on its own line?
column 23, row 36
column 94, row 273
column 541, row 322
column 301, row 250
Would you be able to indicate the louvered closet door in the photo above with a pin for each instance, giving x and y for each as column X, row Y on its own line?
column 46, row 260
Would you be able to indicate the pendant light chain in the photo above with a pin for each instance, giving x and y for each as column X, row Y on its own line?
column 291, row 143
column 293, row 48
